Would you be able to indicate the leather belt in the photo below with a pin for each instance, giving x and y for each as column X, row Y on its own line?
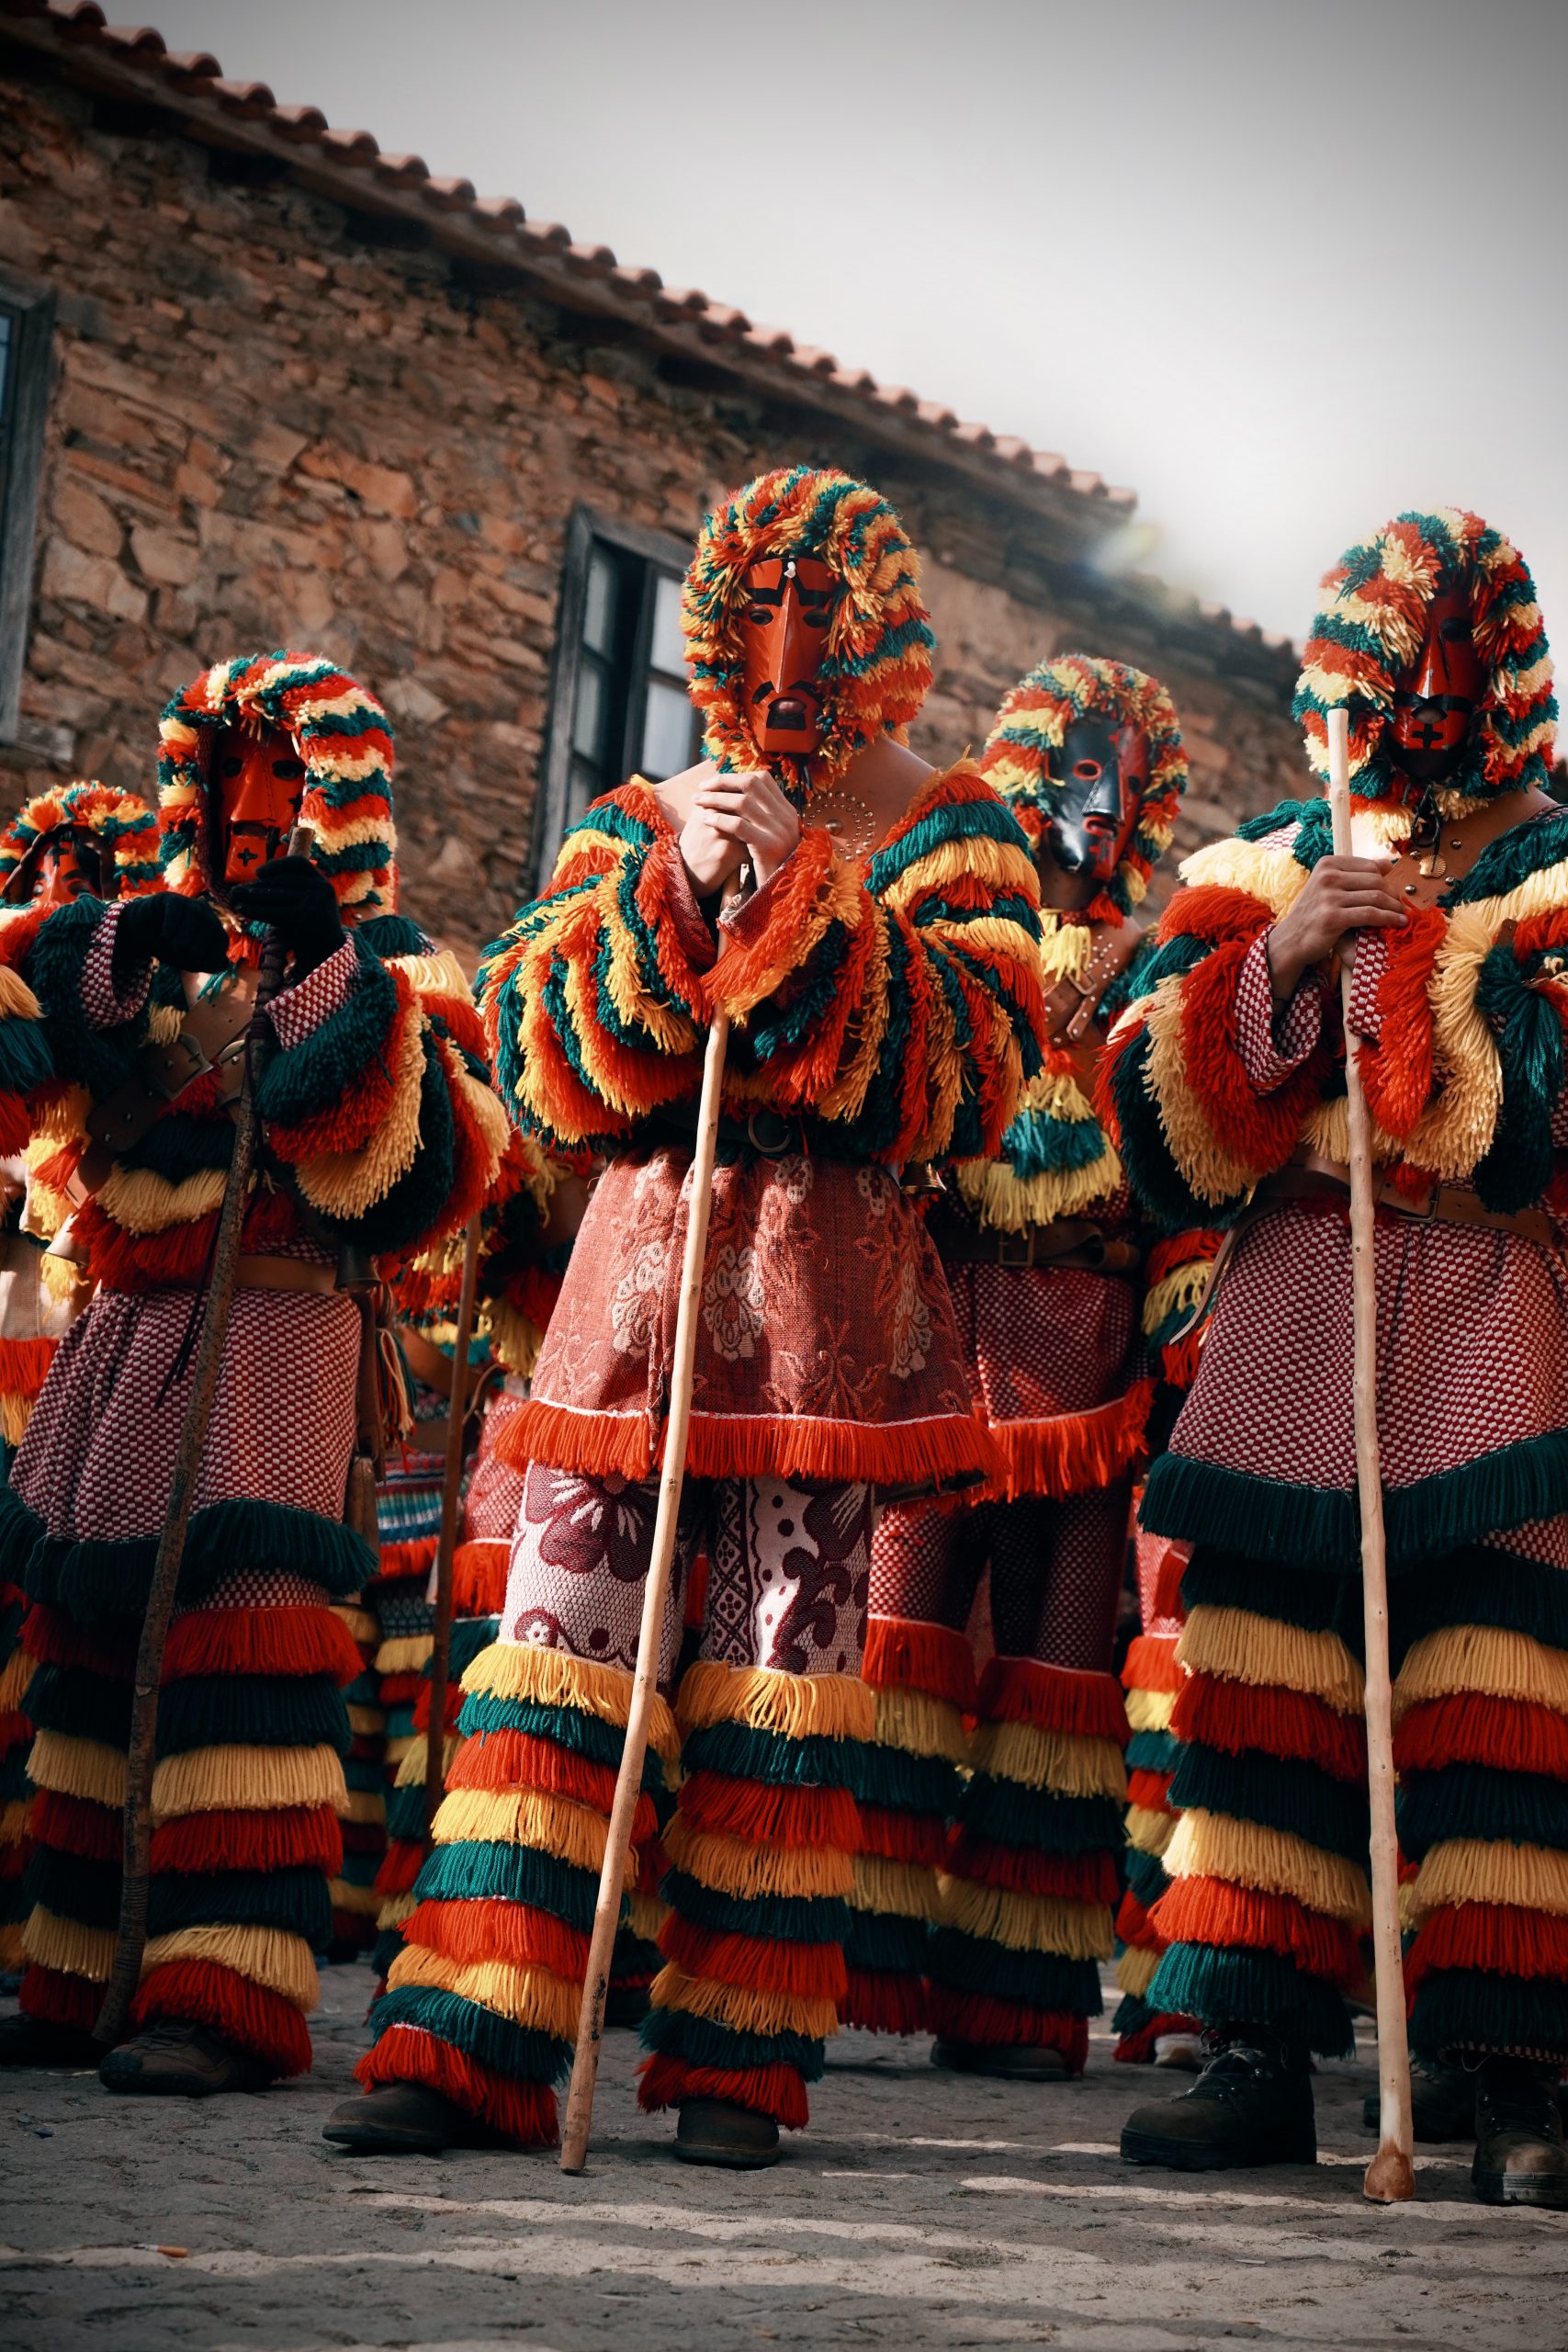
column 1069, row 1242
column 1322, row 1180
column 285, row 1273
column 765, row 1132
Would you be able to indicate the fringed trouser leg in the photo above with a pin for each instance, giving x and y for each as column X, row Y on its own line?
column 762, row 1845
column 1268, row 1898
column 926, row 1562
column 1030, row 1875
column 16, row 1739
column 1152, row 1677
column 482, row 2000
column 246, row 1792
column 355, row 1899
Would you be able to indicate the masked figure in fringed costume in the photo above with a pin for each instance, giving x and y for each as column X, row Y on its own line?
column 379, row 1130
column 1227, row 1085
column 884, row 985
column 87, row 837
column 1040, row 1251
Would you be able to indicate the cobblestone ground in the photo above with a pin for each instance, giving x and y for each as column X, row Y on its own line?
column 921, row 2210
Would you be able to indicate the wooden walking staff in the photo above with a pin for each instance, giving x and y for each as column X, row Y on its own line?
column 645, row 1682
column 1391, row 2176
column 131, row 1936
column 446, row 1542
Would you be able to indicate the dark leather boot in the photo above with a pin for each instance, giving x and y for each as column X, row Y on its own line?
column 1520, row 2154
column 1023, row 2062
column 398, row 2119
column 175, row 2059
column 715, row 2132
column 1442, row 2102
column 39, row 2042
column 1251, row 2105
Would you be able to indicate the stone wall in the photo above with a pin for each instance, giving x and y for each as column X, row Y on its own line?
column 270, row 425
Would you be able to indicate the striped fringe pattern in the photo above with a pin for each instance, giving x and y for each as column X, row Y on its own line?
column 353, row 1896
column 1152, row 1679
column 1480, row 1748
column 408, row 1514
column 1269, row 1899
column 1031, row 1879
column 760, row 1854
column 246, row 1792
column 909, row 1782
column 481, row 2001
column 16, row 1738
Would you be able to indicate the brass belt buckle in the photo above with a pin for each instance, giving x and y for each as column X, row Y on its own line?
column 1016, row 1249
column 774, row 1142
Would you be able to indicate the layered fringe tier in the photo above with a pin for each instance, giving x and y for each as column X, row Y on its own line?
column 16, row 1791
column 1031, row 1876
column 1152, row 1679
column 482, row 1998
column 761, row 1869
column 908, row 1784
column 354, row 1899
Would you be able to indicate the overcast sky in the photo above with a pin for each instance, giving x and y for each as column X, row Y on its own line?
column 1283, row 269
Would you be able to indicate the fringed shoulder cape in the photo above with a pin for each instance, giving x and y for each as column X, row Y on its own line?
column 1209, row 1088
column 883, row 1009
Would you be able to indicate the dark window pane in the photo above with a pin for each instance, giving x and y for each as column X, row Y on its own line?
column 666, row 647
column 666, row 730
column 599, row 605
column 588, row 717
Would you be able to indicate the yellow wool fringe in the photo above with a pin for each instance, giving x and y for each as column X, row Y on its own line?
column 1045, row 1922
column 744, row 2008
column 646, row 1916
column 1488, row 1660
column 1240, row 1647
column 13, row 1821
column 18, row 1001
column 267, row 1956
column 362, row 1627
column 13, row 1948
column 550, row 1825
column 144, row 1203
column 344, row 1184
column 397, row 1751
column 246, row 1780
column 518, row 1671
column 411, row 1771
column 1176, row 1293
column 16, row 1411
column 1067, row 1763
column 792, row 1706
column 732, row 1866
column 69, row 1946
column 528, row 1996
column 1135, row 1971
column 903, row 1890
column 1272, row 874
column 78, row 1768
column 918, row 1725
column 395, row 1909
column 407, row 1655
column 1470, row 1869
column 1150, row 1710
column 1213, row 1845
column 18, row 1670
column 1149, row 1831
column 1210, row 1172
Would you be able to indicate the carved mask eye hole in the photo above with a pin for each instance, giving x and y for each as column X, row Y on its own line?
column 229, row 767
column 1088, row 771
column 288, row 769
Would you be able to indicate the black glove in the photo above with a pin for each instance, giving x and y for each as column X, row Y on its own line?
column 185, row 933
column 298, row 901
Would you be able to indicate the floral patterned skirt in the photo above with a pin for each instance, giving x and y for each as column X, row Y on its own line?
column 826, row 1345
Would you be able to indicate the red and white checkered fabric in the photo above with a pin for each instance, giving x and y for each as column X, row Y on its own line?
column 295, row 1011
column 495, row 1489
column 1044, row 1341
column 1273, row 1039
column 106, row 1005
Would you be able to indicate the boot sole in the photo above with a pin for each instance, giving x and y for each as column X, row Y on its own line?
column 1195, row 2155
column 706, row 2152
column 1524, row 2188
column 151, row 2087
column 369, row 2142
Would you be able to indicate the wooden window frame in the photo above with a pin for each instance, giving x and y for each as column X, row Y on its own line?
column 32, row 306
column 588, row 524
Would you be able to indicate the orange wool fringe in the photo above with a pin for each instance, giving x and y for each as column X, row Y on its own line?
column 1073, row 1453
column 1499, row 1937
column 1215, row 1713
column 1001, row 2024
column 927, row 1454
column 487, row 1928
column 63, row 2000
column 52, row 1639
column 814, row 1971
column 244, row 2014
column 413, row 1558
column 770, row 1816
column 522, row 1760
column 1511, row 1735
column 1017, row 1691
column 24, row 1365
column 400, row 1865
column 1213, row 1911
column 777, row 2091
column 884, row 2000
column 1077, row 1877
column 479, row 1577
column 295, row 1641
column 521, row 2112
column 904, row 1653
column 296, row 1837
column 898, row 1836
column 1152, row 1664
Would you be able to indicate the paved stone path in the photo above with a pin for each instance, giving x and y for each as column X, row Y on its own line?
column 921, row 2211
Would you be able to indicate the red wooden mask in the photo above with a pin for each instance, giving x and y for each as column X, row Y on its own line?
column 63, row 864
column 1436, row 694
column 785, row 633
column 258, row 783
column 1101, row 772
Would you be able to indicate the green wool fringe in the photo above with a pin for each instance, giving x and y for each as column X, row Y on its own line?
column 73, row 1888
column 1276, row 1793
column 780, row 1918
column 1146, row 1876
column 74, row 1700
column 1257, row 1989
column 1467, row 2012
column 474, row 1870
column 579, row 1735
column 1153, row 1752
column 775, row 1762
column 678, row 2033
column 252, row 1711
column 1035, row 1980
column 1480, row 1585
column 1319, row 1602
column 1473, row 1801
column 94, row 1581
column 886, row 1941
column 297, row 1902
column 520, row 2054
column 1039, row 1822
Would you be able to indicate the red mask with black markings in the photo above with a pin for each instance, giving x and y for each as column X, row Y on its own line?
column 258, row 781
column 1101, row 772
column 63, row 865
column 1437, row 696
column 784, row 635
